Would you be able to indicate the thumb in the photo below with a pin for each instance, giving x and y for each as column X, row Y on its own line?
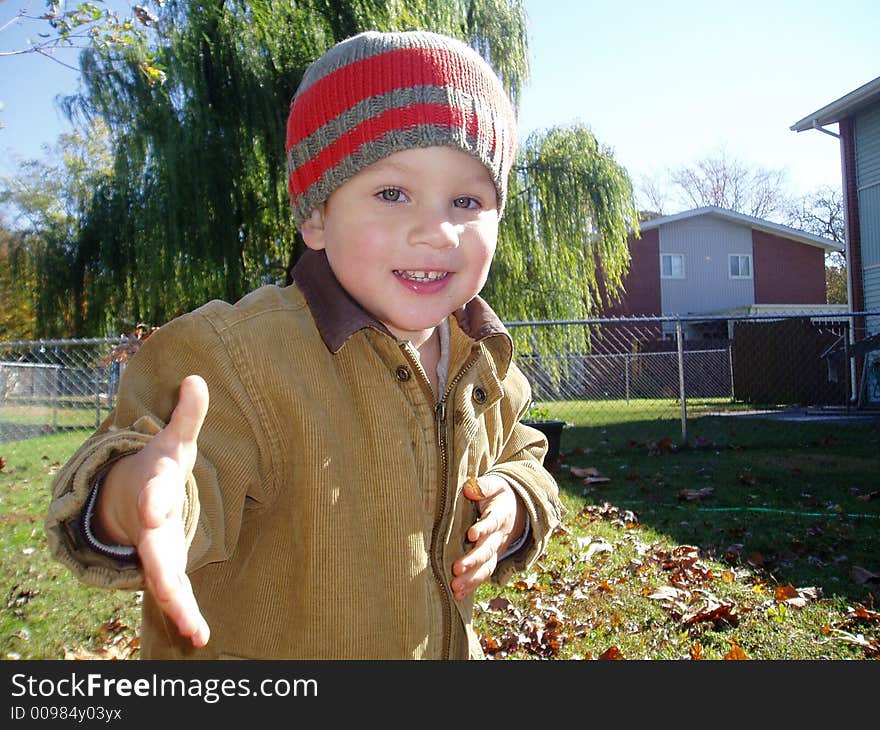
column 189, row 413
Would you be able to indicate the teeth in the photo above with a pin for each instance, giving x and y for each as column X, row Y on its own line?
column 423, row 275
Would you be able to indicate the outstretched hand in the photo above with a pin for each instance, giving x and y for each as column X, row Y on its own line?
column 141, row 504
column 502, row 519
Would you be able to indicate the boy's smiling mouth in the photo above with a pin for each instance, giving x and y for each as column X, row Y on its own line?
column 421, row 276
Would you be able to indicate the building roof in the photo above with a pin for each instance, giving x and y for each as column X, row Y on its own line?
column 844, row 107
column 777, row 229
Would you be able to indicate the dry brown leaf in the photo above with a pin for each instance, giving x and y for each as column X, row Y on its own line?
column 695, row 495
column 736, row 653
column 696, row 651
column 862, row 575
column 783, row 593
column 499, row 603
column 864, row 614
column 584, row 471
column 612, row 652
column 668, row 593
column 596, row 480
column 474, row 485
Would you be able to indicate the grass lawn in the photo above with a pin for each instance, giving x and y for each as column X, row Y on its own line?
column 759, row 540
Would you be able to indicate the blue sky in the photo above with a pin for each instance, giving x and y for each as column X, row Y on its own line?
column 661, row 83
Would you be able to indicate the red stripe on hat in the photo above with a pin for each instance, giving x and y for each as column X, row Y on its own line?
column 400, row 68
column 372, row 129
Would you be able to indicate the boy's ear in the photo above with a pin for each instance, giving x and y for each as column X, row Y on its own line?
column 312, row 229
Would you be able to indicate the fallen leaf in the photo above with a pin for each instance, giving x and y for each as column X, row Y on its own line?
column 863, row 614
column 783, row 593
column 596, row 480
column 862, row 575
column 584, row 471
column 695, row 495
column 696, row 651
column 473, row 484
column 668, row 593
column 598, row 547
column 499, row 603
column 736, row 653
column 612, row 652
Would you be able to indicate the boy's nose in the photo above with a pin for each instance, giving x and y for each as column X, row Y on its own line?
column 435, row 230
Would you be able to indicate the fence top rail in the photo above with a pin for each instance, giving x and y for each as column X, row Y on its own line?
column 61, row 343
column 39, row 365
column 693, row 318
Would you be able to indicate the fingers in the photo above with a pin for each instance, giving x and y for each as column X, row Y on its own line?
column 475, row 568
column 161, row 543
column 163, row 555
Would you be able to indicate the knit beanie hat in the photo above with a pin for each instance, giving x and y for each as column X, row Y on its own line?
column 378, row 93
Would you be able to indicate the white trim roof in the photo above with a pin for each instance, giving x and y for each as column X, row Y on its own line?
column 760, row 224
column 840, row 109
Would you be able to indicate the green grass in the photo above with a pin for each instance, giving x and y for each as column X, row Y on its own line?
column 46, row 613
column 611, row 411
column 771, row 562
column 80, row 416
column 786, row 506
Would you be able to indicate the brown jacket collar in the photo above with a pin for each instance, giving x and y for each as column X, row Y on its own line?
column 338, row 316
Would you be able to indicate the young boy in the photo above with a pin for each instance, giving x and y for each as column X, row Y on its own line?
column 361, row 468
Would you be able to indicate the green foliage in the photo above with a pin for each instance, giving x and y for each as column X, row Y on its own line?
column 52, row 248
column 17, row 320
column 563, row 242
column 194, row 205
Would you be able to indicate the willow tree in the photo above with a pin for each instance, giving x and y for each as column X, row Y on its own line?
column 197, row 206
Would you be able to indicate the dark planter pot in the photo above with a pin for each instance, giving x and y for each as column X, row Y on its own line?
column 553, row 431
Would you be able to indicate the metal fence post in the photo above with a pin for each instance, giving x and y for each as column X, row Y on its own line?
column 55, row 396
column 96, row 385
column 626, row 366
column 730, row 365
column 680, row 344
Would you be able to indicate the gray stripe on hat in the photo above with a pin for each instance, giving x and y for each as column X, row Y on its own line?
column 396, row 140
column 374, row 43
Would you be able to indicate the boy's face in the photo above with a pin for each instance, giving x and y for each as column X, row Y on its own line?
column 410, row 237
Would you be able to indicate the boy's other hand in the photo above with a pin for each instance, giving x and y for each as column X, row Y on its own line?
column 141, row 504
column 502, row 519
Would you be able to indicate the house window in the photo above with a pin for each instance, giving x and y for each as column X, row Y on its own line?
column 740, row 266
column 672, row 266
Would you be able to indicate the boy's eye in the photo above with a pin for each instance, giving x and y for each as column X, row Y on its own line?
column 466, row 202
column 391, row 195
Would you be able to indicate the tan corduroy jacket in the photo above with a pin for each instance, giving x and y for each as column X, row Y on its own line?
column 324, row 511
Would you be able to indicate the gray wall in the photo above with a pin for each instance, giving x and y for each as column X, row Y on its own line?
column 705, row 242
column 867, row 147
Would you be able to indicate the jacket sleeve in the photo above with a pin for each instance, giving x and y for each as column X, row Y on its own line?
column 231, row 464
column 521, row 464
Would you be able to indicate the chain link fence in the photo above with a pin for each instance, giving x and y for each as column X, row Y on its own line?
column 630, row 369
column 683, row 367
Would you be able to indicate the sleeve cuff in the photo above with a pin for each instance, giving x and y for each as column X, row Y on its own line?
column 120, row 552
column 520, row 542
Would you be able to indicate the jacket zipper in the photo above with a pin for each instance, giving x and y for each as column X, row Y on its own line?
column 440, row 417
column 440, row 413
